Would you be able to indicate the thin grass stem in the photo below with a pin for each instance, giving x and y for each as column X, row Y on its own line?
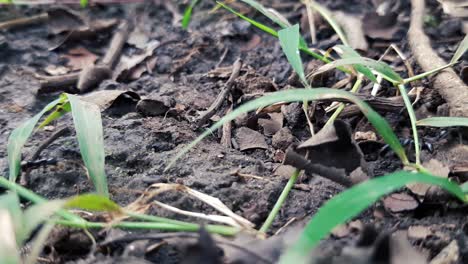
column 412, row 116
column 355, row 89
column 217, row 229
column 279, row 203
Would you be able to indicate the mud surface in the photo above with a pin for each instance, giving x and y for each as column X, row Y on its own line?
column 139, row 147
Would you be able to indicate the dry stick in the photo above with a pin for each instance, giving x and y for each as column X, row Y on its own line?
column 336, row 175
column 24, row 178
column 222, row 95
column 227, row 132
column 93, row 75
column 24, row 21
column 448, row 84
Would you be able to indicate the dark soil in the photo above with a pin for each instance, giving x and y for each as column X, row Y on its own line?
column 139, row 147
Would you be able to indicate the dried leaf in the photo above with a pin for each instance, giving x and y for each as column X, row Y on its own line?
column 333, row 146
column 380, row 27
column 127, row 66
column 419, row 232
column 249, row 139
column 79, row 58
column 400, row 202
column 437, row 169
column 105, row 99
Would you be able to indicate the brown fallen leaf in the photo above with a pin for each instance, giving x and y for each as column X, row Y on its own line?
column 282, row 139
column 272, row 125
column 333, row 146
column 63, row 19
column 419, row 232
column 79, row 58
column 247, row 138
column 131, row 68
column 155, row 106
column 437, row 169
column 138, row 38
column 380, row 26
column 105, row 99
column 400, row 202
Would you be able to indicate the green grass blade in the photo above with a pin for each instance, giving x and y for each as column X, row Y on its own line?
column 93, row 202
column 413, row 120
column 351, row 202
column 462, row 48
column 299, row 95
column 347, row 53
column 84, row 3
column 384, row 69
column 280, row 21
column 188, row 14
column 289, row 40
column 61, row 109
column 18, row 138
column 259, row 25
column 329, row 18
column 88, row 126
column 443, row 121
column 428, row 73
column 303, row 46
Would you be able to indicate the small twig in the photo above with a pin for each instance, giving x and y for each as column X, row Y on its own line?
column 24, row 178
column 161, row 236
column 50, row 84
column 227, row 132
column 222, row 95
column 92, row 76
column 336, row 175
column 223, row 56
column 310, row 16
column 62, row 132
column 24, row 21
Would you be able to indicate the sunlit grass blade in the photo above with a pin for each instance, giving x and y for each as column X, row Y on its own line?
column 88, row 126
column 443, row 121
column 289, row 40
column 279, row 20
column 329, row 18
column 378, row 66
column 299, row 95
column 258, row 25
column 188, row 14
column 10, row 202
column 9, row 253
column 351, row 202
column 18, row 138
column 348, row 52
column 462, row 48
column 61, row 109
column 93, row 202
column 412, row 116
column 302, row 45
column 84, row 3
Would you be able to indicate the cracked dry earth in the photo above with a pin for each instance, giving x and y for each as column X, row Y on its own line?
column 190, row 71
